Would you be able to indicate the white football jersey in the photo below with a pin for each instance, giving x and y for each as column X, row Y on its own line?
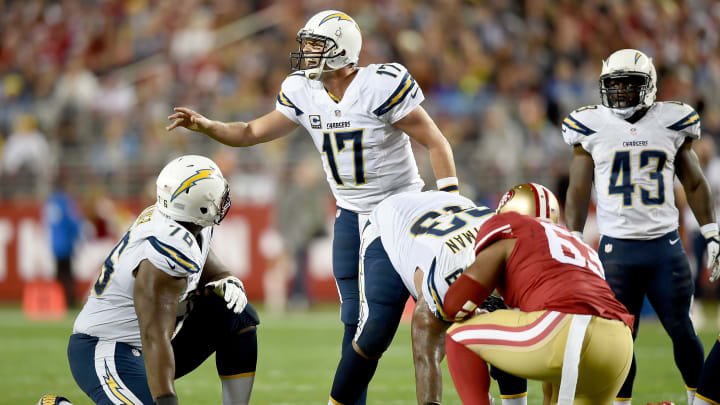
column 109, row 312
column 634, row 165
column 432, row 230
column 365, row 158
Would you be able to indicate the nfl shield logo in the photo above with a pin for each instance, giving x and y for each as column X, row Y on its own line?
column 608, row 248
column 338, row 113
column 633, row 131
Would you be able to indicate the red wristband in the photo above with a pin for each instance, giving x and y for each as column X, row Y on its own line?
column 463, row 297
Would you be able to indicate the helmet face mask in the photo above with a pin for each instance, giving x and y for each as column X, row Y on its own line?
column 329, row 41
column 192, row 189
column 312, row 59
column 624, row 90
column 628, row 82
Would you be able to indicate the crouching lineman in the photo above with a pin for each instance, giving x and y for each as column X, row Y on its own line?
column 159, row 275
column 417, row 243
column 569, row 329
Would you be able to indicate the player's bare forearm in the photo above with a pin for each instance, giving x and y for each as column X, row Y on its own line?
column 214, row 269
column 155, row 298
column 428, row 342
column 238, row 134
column 579, row 189
column 697, row 189
column 420, row 127
column 441, row 159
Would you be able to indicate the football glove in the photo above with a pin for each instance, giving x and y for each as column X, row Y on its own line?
column 712, row 244
column 493, row 303
column 53, row 400
column 232, row 290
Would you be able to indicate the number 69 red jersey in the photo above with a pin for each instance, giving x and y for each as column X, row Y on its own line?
column 550, row 269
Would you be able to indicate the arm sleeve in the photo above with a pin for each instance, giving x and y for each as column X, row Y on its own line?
column 173, row 259
column 286, row 98
column 574, row 131
column 686, row 121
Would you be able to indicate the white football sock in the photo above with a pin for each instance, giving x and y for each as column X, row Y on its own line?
column 236, row 391
column 515, row 401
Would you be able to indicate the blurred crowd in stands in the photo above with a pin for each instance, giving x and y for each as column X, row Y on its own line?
column 86, row 85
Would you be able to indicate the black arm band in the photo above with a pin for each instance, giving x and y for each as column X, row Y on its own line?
column 168, row 399
column 432, row 403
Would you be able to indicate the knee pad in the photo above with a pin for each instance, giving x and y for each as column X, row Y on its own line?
column 238, row 354
column 374, row 339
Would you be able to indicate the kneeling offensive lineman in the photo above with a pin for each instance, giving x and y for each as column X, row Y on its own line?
column 160, row 278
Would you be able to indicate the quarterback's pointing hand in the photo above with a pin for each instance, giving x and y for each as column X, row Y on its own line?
column 712, row 242
column 232, row 289
column 185, row 117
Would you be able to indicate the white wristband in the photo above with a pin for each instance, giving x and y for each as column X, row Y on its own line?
column 709, row 230
column 448, row 184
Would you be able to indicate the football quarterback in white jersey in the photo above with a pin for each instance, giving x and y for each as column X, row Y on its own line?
column 147, row 315
column 632, row 147
column 416, row 244
column 361, row 120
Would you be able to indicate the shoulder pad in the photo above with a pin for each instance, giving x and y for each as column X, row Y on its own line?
column 295, row 82
column 171, row 247
column 678, row 116
column 498, row 227
column 582, row 120
column 391, row 83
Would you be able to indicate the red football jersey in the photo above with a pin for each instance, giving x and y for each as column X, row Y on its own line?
column 550, row 269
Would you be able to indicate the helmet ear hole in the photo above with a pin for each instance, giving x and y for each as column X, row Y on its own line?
column 203, row 210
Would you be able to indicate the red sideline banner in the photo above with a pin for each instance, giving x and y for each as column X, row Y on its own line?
column 246, row 242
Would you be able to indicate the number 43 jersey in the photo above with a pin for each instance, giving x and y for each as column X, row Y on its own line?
column 365, row 158
column 110, row 312
column 634, row 165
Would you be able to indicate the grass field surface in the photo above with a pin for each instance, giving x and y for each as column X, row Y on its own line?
column 298, row 353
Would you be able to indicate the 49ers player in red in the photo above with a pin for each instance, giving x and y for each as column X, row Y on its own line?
column 568, row 329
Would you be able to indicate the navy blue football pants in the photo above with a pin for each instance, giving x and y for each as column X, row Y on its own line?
column 658, row 268
column 112, row 372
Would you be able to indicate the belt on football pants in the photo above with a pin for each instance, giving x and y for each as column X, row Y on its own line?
column 571, row 359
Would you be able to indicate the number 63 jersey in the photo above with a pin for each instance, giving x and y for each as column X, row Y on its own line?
column 634, row 165
column 110, row 311
column 365, row 158
column 550, row 269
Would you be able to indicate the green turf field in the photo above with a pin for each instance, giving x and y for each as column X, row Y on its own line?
column 297, row 359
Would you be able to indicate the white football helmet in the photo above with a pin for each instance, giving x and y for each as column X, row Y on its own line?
column 192, row 189
column 628, row 82
column 341, row 42
column 531, row 199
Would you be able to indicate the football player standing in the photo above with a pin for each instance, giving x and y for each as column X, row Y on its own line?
column 163, row 302
column 361, row 120
column 632, row 148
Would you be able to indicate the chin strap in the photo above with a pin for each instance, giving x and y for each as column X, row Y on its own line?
column 626, row 113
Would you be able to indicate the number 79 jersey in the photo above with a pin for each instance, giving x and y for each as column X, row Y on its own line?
column 365, row 158
column 634, row 165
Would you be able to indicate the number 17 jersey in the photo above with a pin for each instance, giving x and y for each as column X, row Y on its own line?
column 365, row 158
column 634, row 165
